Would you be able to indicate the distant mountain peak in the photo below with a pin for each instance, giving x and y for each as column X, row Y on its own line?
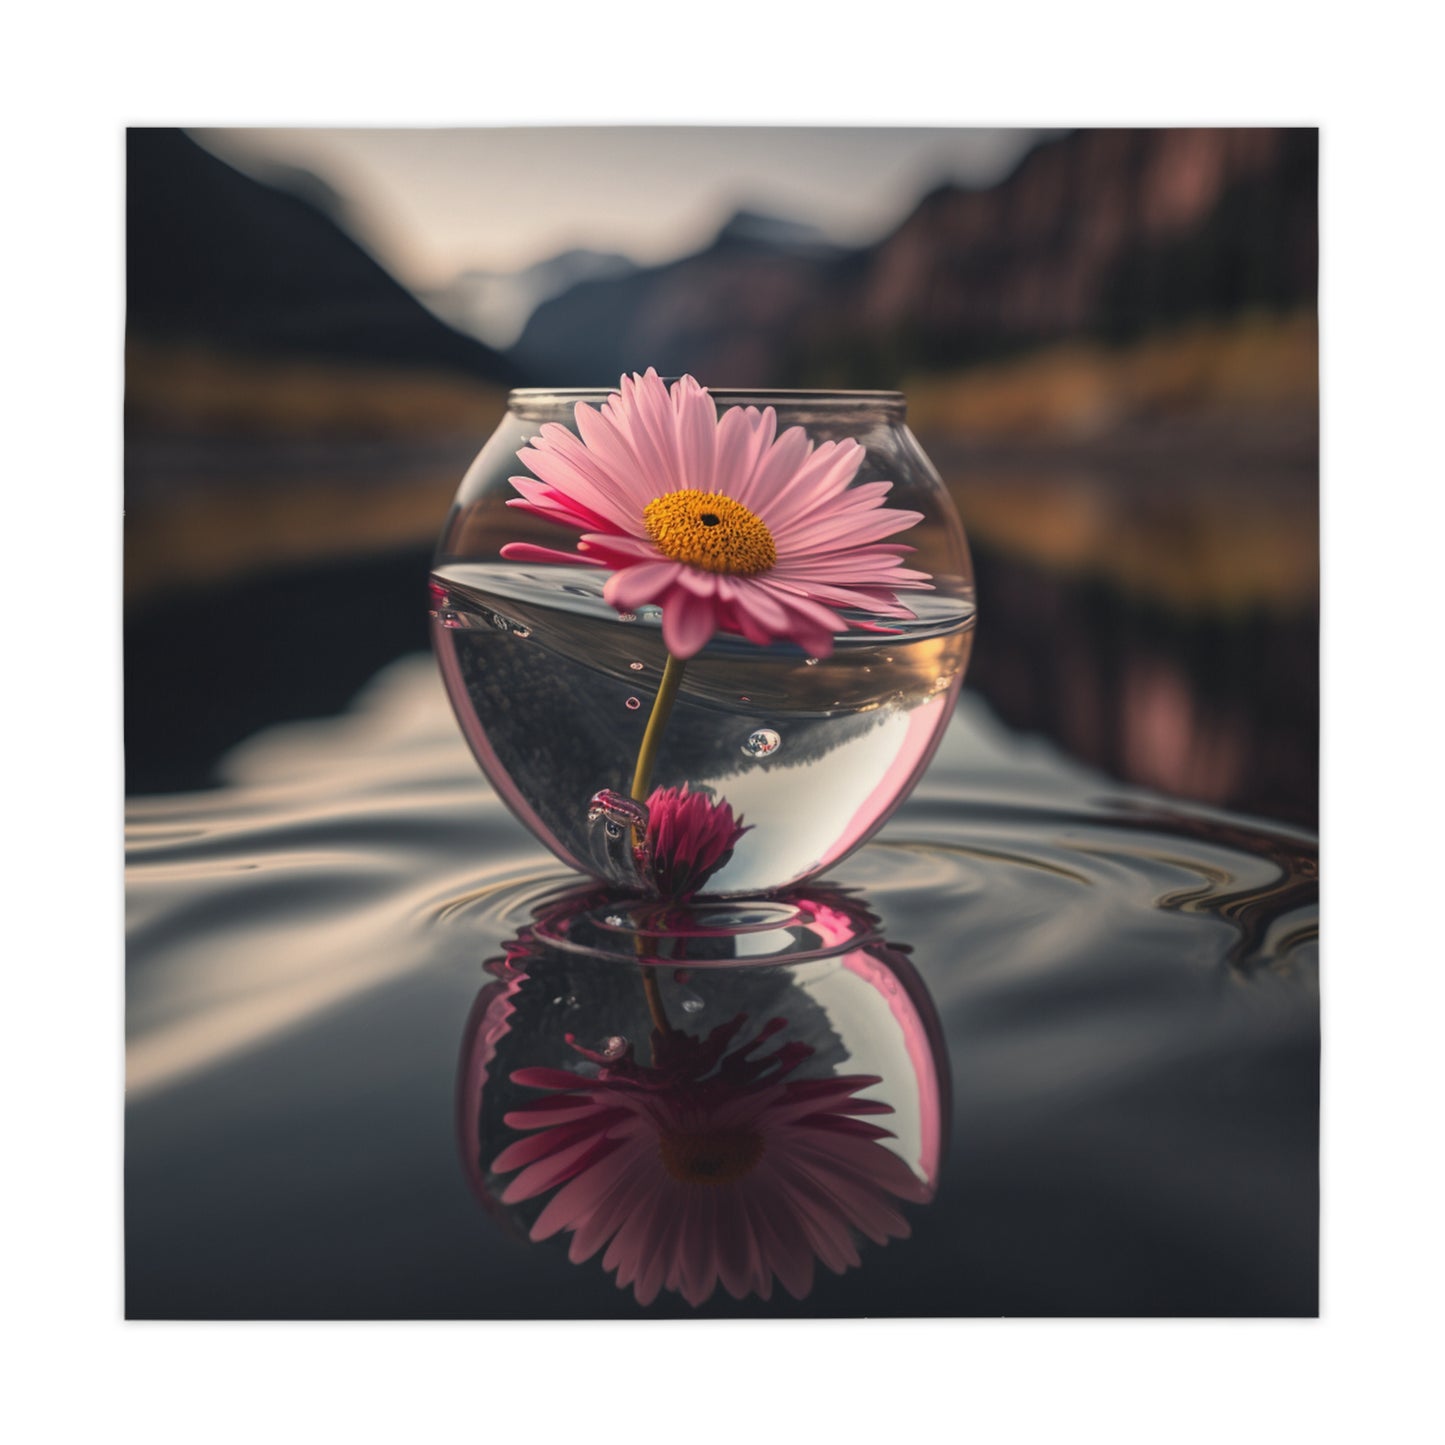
column 759, row 228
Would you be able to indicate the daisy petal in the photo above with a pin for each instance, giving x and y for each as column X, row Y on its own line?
column 821, row 530
column 687, row 623
column 638, row 586
column 526, row 552
column 743, row 437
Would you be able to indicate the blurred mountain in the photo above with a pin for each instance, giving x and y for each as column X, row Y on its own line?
column 495, row 305
column 307, row 186
column 1102, row 234
column 286, row 400
column 219, row 261
column 753, row 228
column 726, row 309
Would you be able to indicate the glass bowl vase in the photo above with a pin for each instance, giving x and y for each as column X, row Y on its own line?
column 754, row 764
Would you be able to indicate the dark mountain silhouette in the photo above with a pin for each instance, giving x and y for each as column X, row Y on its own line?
column 732, row 304
column 216, row 259
column 1102, row 233
column 747, row 228
column 499, row 302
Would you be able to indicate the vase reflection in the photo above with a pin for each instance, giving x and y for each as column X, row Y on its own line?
column 704, row 1100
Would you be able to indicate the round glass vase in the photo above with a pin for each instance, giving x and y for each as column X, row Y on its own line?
column 776, row 763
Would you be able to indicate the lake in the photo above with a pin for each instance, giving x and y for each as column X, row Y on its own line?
column 1091, row 1010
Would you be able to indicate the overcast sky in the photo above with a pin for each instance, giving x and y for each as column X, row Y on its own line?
column 433, row 203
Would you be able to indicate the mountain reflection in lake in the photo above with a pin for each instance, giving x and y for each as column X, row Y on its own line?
column 1061, row 1038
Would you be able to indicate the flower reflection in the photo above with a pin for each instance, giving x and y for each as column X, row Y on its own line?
column 706, row 1157
column 710, row 1166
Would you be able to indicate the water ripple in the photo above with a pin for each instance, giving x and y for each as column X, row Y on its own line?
column 345, row 853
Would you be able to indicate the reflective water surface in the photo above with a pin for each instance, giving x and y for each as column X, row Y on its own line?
column 1046, row 1045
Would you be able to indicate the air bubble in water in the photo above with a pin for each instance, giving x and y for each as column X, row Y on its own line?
column 633, row 704
column 627, row 617
column 810, row 662
column 691, row 1004
column 742, row 697
column 635, row 666
column 614, row 920
column 761, row 743
column 521, row 632
column 614, row 1047
column 617, row 808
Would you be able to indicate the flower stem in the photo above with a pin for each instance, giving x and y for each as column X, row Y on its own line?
column 641, row 786
column 654, row 1001
column 656, row 723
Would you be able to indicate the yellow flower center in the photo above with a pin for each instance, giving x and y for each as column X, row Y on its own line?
column 711, row 531
column 712, row 1156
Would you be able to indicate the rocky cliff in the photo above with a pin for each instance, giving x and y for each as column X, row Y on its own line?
column 1104, row 233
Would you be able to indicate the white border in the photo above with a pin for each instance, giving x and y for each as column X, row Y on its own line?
column 78, row 77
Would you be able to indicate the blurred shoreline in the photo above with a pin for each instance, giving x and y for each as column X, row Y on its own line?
column 1165, row 467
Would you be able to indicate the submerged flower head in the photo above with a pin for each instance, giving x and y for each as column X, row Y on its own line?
column 689, row 837
column 721, row 522
column 708, row 1167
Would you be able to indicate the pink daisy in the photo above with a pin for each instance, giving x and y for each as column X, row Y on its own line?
column 718, row 520
column 708, row 1167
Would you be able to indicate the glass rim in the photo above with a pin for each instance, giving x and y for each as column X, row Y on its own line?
column 820, row 400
